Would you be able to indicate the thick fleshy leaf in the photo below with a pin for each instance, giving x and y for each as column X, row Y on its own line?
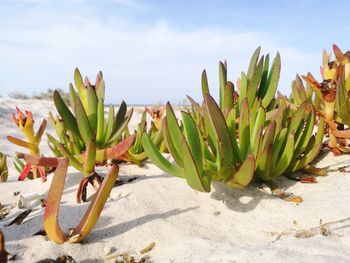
column 120, row 117
column 217, row 120
column 243, row 129
column 158, row 159
column 193, row 141
column 170, row 143
column 73, row 161
column 121, row 148
column 228, row 96
column 40, row 131
column 116, row 135
column 100, row 122
column 95, row 208
column 222, row 83
column 264, row 164
column 244, row 175
column 67, row 116
column 231, row 125
column 79, row 83
column 25, row 172
column 253, row 62
column 205, row 86
column 242, row 85
column 92, row 107
column 52, row 228
column 38, row 160
column 254, row 82
column 83, row 123
column 21, row 143
column 174, row 131
column 109, row 125
column 272, row 82
column 194, row 178
column 90, row 157
column 263, row 83
column 283, row 162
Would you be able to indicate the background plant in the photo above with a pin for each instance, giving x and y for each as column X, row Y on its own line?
column 136, row 153
column 25, row 123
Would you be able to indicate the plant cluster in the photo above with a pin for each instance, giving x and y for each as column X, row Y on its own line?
column 251, row 134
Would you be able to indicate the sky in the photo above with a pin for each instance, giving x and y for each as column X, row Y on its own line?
column 154, row 51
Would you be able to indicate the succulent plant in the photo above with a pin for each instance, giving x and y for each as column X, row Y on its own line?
column 3, row 168
column 52, row 206
column 87, row 121
column 85, row 142
column 197, row 160
column 25, row 123
column 333, row 97
column 250, row 134
column 85, row 136
column 136, row 153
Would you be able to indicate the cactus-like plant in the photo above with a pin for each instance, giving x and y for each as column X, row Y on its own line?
column 85, row 136
column 253, row 133
column 3, row 168
column 25, row 123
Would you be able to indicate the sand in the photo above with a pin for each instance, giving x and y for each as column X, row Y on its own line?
column 225, row 225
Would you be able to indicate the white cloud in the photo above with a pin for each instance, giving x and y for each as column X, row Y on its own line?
column 141, row 63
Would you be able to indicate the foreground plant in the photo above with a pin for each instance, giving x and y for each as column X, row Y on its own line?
column 3, row 168
column 76, row 128
column 86, row 138
column 25, row 123
column 51, row 225
column 250, row 134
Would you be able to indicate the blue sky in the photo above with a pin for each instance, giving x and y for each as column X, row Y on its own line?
column 154, row 51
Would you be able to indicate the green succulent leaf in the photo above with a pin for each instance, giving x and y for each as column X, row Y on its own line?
column 67, row 116
column 158, row 159
column 83, row 122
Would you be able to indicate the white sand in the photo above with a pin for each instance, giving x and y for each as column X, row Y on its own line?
column 225, row 225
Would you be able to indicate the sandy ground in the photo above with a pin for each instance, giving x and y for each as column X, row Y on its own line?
column 225, row 225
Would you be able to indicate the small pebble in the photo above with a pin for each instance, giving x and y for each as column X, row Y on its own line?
column 108, row 250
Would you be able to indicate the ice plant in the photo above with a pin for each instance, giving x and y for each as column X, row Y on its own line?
column 136, row 153
column 25, row 123
column 253, row 134
column 199, row 161
column 86, row 137
column 51, row 225
column 333, row 93
column 3, row 168
column 343, row 59
column 86, row 121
